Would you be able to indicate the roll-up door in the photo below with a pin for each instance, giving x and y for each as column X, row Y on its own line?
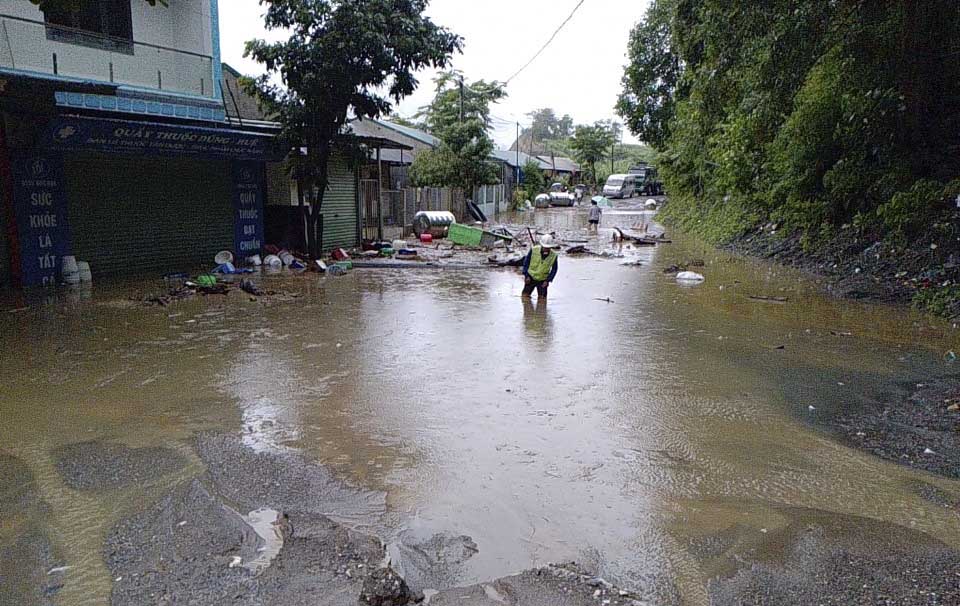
column 4, row 251
column 147, row 214
column 340, row 218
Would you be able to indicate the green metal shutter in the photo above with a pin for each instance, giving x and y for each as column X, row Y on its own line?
column 4, row 250
column 340, row 218
column 145, row 214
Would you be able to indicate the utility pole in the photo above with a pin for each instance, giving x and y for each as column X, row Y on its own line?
column 461, row 98
column 518, row 160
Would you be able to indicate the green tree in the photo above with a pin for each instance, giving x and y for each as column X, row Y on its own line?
column 590, row 145
column 534, row 179
column 343, row 60
column 815, row 114
column 651, row 78
column 460, row 117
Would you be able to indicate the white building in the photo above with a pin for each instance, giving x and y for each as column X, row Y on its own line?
column 115, row 146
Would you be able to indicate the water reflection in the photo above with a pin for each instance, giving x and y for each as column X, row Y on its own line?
column 537, row 323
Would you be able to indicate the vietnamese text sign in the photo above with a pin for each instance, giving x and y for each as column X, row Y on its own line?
column 40, row 207
column 116, row 136
column 248, row 207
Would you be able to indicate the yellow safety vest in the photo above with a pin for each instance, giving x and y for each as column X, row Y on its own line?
column 540, row 268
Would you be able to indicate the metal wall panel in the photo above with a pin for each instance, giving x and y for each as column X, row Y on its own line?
column 339, row 210
column 4, row 249
column 132, row 215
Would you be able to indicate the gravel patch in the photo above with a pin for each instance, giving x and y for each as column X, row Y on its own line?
column 835, row 560
column 918, row 432
column 190, row 546
column 102, row 465
column 26, row 555
column 283, row 481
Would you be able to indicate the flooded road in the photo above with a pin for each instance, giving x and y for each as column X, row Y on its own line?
column 646, row 436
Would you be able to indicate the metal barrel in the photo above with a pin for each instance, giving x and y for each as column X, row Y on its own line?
column 433, row 222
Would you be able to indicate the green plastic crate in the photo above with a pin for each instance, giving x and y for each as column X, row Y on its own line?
column 465, row 235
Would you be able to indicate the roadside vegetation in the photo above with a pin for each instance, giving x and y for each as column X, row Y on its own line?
column 831, row 124
column 591, row 145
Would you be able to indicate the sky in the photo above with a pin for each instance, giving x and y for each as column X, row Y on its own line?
column 578, row 74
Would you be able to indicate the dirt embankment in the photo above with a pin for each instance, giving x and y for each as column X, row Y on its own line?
column 857, row 266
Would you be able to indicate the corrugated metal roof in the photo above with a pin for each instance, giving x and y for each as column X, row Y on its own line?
column 413, row 133
column 510, row 158
column 563, row 164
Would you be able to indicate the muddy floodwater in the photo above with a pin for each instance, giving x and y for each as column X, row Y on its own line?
column 636, row 425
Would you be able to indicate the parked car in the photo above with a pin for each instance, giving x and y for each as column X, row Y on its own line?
column 620, row 186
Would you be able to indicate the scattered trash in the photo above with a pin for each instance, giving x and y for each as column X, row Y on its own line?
column 272, row 261
column 320, row 266
column 248, row 286
column 811, row 408
column 464, row 235
column 83, row 270
column 340, row 255
column 223, row 257
column 689, row 276
column 953, row 407
column 766, row 299
column 206, row 280
column 255, row 260
column 70, row 270
column 633, row 263
column 426, row 238
column 950, row 357
column 780, row 347
column 235, row 561
column 929, row 452
column 336, row 270
column 606, row 300
column 57, row 569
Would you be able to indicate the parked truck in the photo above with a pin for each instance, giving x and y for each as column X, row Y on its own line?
column 647, row 182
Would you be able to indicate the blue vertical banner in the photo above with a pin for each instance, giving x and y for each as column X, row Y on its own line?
column 248, row 196
column 40, row 205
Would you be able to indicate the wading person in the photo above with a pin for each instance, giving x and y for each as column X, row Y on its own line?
column 595, row 214
column 540, row 267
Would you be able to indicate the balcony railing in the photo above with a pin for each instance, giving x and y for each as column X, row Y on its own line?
column 35, row 46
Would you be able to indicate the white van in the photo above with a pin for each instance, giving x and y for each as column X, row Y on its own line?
column 620, row 186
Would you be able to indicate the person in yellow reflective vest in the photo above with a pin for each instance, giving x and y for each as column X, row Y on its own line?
column 540, row 267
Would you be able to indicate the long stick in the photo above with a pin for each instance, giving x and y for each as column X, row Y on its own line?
column 533, row 241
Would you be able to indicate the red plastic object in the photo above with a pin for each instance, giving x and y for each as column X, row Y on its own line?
column 340, row 255
column 426, row 238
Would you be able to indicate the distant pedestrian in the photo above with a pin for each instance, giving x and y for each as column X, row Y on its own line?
column 540, row 267
column 595, row 214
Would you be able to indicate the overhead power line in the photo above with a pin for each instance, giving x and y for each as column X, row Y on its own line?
column 547, row 43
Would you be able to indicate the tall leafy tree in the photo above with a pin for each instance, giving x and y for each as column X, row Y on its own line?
column 460, row 117
column 344, row 60
column 651, row 78
column 814, row 115
column 591, row 144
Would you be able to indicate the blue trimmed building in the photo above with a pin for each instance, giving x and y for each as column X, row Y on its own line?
column 115, row 143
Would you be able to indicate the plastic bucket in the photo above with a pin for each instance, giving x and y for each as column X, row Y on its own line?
column 223, row 257
column 83, row 269
column 272, row 261
column 70, row 265
column 255, row 260
column 287, row 258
